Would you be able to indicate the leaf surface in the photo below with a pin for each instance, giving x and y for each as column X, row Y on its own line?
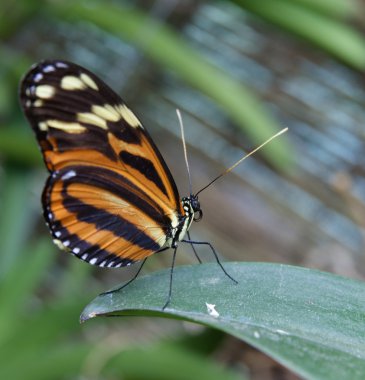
column 310, row 321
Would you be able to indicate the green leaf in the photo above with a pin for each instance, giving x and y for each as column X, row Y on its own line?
column 18, row 284
column 18, row 147
column 13, row 15
column 335, row 8
column 16, row 216
column 337, row 38
column 63, row 361
column 310, row 321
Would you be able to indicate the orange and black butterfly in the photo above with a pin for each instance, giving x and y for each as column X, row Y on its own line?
column 110, row 199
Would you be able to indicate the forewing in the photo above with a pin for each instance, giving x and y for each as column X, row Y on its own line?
column 95, row 148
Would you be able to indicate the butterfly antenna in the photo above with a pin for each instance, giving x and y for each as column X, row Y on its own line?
column 185, row 152
column 243, row 158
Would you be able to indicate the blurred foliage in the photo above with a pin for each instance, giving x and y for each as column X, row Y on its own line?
column 240, row 104
column 316, row 24
column 40, row 337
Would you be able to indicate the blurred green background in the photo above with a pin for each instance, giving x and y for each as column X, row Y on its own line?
column 239, row 71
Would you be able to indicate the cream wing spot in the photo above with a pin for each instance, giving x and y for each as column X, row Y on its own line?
column 42, row 125
column 45, row 91
column 38, row 103
column 92, row 118
column 88, row 81
column 71, row 83
column 129, row 116
column 106, row 112
column 66, row 127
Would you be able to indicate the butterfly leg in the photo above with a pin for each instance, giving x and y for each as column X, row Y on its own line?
column 128, row 282
column 134, row 277
column 192, row 246
column 215, row 255
column 171, row 275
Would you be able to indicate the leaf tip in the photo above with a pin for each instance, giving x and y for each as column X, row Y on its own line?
column 85, row 316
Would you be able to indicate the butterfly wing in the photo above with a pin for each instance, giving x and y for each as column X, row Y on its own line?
column 110, row 198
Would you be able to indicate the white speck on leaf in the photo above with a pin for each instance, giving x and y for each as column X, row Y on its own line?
column 282, row 332
column 256, row 334
column 211, row 310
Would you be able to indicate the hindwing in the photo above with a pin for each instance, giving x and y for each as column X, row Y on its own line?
column 110, row 198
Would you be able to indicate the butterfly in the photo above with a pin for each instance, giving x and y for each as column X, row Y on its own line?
column 110, row 198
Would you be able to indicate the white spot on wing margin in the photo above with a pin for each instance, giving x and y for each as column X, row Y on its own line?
column 68, row 175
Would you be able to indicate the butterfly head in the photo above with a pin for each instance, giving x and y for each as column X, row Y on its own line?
column 192, row 206
column 195, row 204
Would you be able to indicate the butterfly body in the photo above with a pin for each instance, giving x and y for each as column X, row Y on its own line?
column 110, row 198
column 191, row 206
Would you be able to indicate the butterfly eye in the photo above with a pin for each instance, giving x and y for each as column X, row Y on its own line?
column 198, row 215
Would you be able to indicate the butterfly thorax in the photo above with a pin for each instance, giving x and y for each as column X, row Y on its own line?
column 191, row 207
